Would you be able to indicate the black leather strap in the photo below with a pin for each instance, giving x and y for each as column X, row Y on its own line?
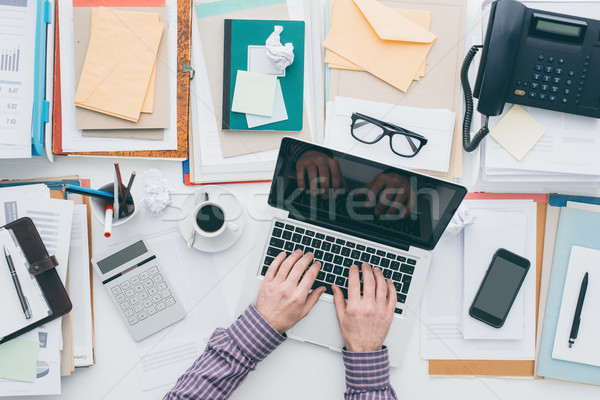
column 43, row 265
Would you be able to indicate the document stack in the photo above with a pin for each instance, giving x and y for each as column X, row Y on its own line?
column 33, row 363
column 567, row 151
column 244, row 101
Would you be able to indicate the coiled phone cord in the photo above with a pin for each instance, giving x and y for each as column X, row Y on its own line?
column 468, row 144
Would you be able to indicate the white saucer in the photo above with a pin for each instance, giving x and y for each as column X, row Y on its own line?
column 234, row 212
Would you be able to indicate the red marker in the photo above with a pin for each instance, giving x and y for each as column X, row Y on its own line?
column 108, row 218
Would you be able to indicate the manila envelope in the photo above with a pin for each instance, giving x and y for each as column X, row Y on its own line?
column 419, row 17
column 440, row 88
column 118, row 64
column 235, row 143
column 379, row 40
column 98, row 122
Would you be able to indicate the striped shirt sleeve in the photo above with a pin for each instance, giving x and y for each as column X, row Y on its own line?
column 368, row 376
column 229, row 356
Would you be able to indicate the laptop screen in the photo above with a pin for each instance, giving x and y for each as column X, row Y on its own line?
column 360, row 197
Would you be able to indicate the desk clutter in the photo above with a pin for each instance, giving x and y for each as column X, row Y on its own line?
column 218, row 85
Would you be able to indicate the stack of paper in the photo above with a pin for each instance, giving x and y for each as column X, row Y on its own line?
column 567, row 151
column 117, row 90
column 436, row 126
column 459, row 264
column 390, row 43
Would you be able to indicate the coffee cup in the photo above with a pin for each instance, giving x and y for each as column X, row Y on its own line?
column 210, row 220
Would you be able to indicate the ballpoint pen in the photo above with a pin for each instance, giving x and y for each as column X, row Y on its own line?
column 15, row 278
column 578, row 308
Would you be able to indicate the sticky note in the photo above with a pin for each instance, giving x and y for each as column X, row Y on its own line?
column 254, row 93
column 18, row 359
column 259, row 62
column 517, row 132
column 279, row 111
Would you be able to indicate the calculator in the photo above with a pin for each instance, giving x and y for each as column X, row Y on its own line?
column 138, row 288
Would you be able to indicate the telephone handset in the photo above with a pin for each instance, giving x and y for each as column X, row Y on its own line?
column 534, row 58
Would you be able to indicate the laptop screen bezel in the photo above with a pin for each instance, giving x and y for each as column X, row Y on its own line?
column 404, row 242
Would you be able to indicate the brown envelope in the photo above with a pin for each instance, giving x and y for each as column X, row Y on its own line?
column 235, row 143
column 118, row 64
column 92, row 120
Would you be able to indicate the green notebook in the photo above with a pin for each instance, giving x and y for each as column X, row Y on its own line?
column 241, row 33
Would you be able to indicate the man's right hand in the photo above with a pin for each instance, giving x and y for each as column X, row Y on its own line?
column 365, row 319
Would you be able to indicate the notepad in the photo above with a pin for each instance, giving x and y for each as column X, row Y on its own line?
column 11, row 312
column 254, row 93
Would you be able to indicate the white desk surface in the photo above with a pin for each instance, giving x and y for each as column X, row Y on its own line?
column 295, row 370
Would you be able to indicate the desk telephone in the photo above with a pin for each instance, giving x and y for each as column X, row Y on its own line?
column 534, row 58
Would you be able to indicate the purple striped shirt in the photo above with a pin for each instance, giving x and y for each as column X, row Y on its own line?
column 232, row 353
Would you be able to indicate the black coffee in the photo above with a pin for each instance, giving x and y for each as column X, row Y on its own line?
column 210, row 218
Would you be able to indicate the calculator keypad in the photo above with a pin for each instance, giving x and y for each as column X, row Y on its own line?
column 143, row 295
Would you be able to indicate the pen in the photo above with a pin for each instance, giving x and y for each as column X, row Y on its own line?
column 108, row 217
column 127, row 190
column 92, row 192
column 577, row 317
column 121, row 190
column 15, row 278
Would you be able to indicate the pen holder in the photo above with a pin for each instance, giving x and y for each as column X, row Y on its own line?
column 98, row 207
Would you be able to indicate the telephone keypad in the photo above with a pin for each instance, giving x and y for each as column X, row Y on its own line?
column 548, row 84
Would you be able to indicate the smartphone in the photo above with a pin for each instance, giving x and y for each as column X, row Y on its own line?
column 499, row 288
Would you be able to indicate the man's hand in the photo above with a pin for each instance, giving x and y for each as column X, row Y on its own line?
column 365, row 320
column 283, row 298
column 322, row 170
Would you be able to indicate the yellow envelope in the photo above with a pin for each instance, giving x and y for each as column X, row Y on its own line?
column 419, row 17
column 148, row 106
column 118, row 64
column 379, row 40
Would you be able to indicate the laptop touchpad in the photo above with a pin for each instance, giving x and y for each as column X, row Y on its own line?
column 320, row 326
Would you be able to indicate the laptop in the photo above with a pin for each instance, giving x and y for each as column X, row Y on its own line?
column 357, row 211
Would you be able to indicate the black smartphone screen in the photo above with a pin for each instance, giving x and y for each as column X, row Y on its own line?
column 499, row 288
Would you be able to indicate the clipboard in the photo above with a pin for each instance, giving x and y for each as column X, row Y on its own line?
column 42, row 266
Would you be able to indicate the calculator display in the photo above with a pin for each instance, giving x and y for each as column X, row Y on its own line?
column 122, row 257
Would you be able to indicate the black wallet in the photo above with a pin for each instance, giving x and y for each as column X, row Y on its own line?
column 42, row 266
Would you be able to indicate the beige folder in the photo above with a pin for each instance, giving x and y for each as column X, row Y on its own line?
column 440, row 88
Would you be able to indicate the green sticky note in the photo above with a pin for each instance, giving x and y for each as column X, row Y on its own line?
column 18, row 359
column 254, row 93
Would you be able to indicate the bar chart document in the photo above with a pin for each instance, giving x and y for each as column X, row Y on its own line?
column 17, row 50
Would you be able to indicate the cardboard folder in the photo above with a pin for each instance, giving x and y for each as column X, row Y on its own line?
column 505, row 368
column 440, row 88
column 42, row 266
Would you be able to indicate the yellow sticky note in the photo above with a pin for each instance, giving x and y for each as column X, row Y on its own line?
column 18, row 359
column 254, row 93
column 379, row 40
column 517, row 132
column 118, row 64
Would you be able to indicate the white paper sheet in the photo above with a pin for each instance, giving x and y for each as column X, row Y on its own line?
column 442, row 303
column 504, row 230
column 163, row 357
column 436, row 125
column 81, row 296
column 72, row 137
column 17, row 51
column 585, row 347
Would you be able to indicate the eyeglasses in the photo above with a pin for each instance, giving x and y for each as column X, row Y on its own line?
column 369, row 130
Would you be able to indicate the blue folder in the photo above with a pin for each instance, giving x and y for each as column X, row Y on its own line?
column 41, row 105
column 581, row 228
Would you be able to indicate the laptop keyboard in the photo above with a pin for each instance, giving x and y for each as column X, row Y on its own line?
column 337, row 255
